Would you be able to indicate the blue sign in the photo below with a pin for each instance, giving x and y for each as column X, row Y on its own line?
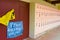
column 14, row 29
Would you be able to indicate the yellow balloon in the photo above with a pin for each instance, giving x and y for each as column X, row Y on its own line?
column 7, row 17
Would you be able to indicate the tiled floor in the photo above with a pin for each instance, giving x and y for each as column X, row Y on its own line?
column 53, row 34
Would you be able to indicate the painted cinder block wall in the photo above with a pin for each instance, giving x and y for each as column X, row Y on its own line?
column 21, row 13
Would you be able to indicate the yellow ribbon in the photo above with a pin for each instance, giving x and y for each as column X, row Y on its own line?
column 7, row 17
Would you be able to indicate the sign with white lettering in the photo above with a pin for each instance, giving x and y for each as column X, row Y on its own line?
column 14, row 29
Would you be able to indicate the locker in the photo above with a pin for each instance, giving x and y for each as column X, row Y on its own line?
column 21, row 13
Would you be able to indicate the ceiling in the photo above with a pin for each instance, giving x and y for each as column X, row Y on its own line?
column 54, row 2
column 26, row 0
column 51, row 3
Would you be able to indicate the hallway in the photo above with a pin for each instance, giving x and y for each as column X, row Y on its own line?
column 53, row 34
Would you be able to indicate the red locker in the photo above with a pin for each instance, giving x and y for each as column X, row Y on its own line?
column 21, row 13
